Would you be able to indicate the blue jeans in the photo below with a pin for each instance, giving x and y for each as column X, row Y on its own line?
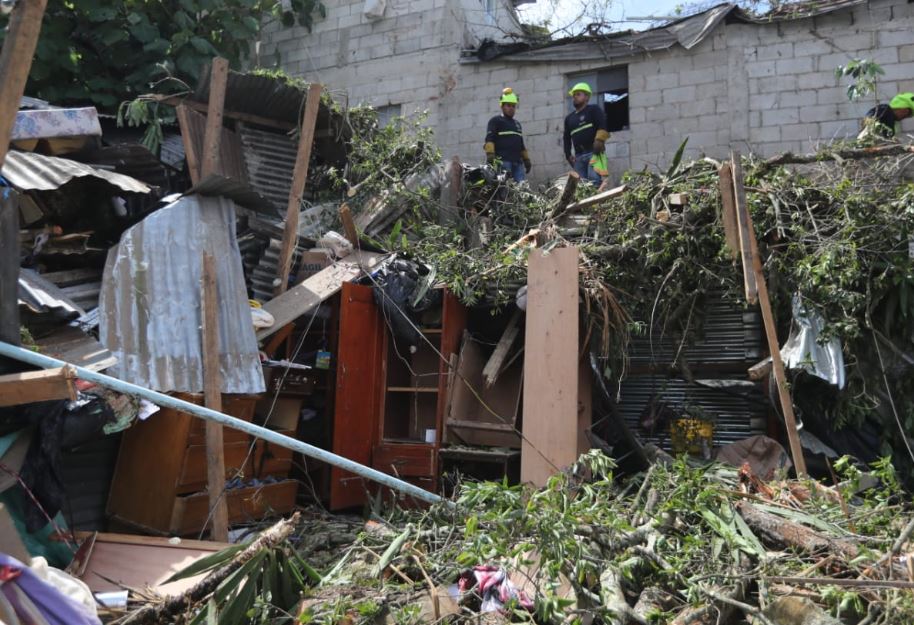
column 584, row 170
column 516, row 169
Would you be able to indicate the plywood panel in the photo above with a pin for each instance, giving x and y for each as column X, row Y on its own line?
column 358, row 391
column 550, row 365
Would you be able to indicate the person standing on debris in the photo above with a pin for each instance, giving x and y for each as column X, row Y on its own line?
column 884, row 119
column 505, row 139
column 585, row 130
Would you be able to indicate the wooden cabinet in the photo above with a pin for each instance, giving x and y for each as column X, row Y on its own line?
column 390, row 396
column 160, row 478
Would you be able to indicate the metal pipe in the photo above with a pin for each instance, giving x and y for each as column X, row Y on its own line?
column 46, row 362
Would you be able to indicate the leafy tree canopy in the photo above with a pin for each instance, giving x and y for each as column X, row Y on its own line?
column 103, row 52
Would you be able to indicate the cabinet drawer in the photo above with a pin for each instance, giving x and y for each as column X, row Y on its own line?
column 272, row 459
column 405, row 460
column 244, row 504
column 193, row 470
column 238, row 406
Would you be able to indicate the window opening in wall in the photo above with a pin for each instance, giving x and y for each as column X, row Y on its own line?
column 387, row 114
column 610, row 89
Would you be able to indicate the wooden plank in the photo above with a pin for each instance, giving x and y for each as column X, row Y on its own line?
column 9, row 268
column 358, row 393
column 15, row 62
column 593, row 200
column 299, row 178
column 449, row 201
column 212, row 392
column 31, row 386
column 242, row 117
column 212, row 139
column 748, row 238
column 744, row 227
column 349, row 225
column 551, row 342
column 190, row 146
column 302, row 298
column 571, row 186
column 728, row 210
column 493, row 367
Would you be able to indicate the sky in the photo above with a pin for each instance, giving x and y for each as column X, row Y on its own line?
column 563, row 12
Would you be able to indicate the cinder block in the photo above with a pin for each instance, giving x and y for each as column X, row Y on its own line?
column 906, row 54
column 796, row 98
column 680, row 126
column 773, row 51
column 710, row 59
column 661, row 81
column 897, row 71
column 817, row 80
column 645, row 98
column 824, row 113
column 800, row 131
column 679, row 94
column 777, row 83
column 781, row 117
column 768, row 133
column 800, row 65
column 760, row 69
column 838, row 129
column 894, row 37
column 813, row 47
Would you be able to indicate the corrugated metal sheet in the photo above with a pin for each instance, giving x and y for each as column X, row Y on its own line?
column 270, row 161
column 71, row 344
column 43, row 297
column 231, row 161
column 134, row 160
column 28, row 171
column 729, row 341
column 272, row 98
column 150, row 303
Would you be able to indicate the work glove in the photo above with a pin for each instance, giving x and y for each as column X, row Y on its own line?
column 599, row 146
column 527, row 165
column 570, row 159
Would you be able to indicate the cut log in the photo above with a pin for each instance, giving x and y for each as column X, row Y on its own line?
column 571, row 186
column 493, row 367
column 593, row 200
column 776, row 531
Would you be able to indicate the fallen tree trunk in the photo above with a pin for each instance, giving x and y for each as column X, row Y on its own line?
column 778, row 531
column 614, row 601
column 162, row 612
column 789, row 158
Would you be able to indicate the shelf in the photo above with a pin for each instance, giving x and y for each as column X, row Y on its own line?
column 412, row 389
column 430, row 330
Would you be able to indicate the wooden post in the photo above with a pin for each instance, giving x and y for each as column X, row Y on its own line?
column 9, row 267
column 493, row 367
column 745, row 229
column 571, row 186
column 15, row 63
column 551, row 344
column 299, row 178
column 212, row 394
column 212, row 138
column 449, row 203
column 349, row 226
column 750, row 254
column 190, row 150
column 728, row 210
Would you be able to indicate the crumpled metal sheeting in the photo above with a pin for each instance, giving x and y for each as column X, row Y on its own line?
column 28, row 171
column 150, row 312
column 41, row 296
column 270, row 160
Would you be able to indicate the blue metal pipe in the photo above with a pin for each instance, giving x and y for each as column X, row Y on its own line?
column 46, row 362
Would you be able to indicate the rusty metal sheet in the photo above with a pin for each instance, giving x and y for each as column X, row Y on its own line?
column 150, row 302
column 231, row 160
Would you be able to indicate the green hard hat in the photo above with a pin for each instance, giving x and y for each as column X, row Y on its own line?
column 903, row 101
column 581, row 86
column 508, row 96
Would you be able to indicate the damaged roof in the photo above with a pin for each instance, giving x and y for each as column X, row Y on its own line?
column 686, row 32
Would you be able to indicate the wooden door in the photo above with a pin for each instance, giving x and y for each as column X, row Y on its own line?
column 358, row 391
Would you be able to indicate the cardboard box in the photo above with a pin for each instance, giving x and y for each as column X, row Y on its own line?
column 311, row 263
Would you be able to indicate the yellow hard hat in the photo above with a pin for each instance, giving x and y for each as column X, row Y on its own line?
column 508, row 96
column 581, row 86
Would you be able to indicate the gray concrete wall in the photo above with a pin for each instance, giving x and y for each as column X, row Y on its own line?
column 755, row 87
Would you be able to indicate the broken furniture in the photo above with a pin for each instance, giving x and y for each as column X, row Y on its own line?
column 391, row 396
column 160, row 475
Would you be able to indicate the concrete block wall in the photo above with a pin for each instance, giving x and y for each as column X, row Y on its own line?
column 765, row 88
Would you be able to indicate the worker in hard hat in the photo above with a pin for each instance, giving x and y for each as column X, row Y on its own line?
column 884, row 120
column 585, row 130
column 504, row 145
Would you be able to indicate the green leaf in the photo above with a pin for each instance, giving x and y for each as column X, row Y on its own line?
column 206, row 563
column 677, row 159
column 203, row 46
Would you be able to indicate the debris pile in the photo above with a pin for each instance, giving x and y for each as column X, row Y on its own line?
column 679, row 543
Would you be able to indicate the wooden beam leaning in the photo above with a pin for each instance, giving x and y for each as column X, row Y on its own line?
column 750, row 254
column 212, row 395
column 9, row 267
column 212, row 138
column 496, row 361
column 744, row 228
column 31, row 386
column 728, row 210
column 299, row 178
column 15, row 63
column 352, row 235
column 190, row 150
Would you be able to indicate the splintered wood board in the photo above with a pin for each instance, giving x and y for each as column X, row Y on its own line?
column 303, row 297
column 550, row 365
